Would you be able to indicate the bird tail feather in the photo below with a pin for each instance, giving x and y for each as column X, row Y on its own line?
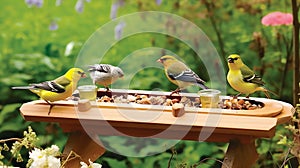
column 202, row 86
column 266, row 92
column 22, row 87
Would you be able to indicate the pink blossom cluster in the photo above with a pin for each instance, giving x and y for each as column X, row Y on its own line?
column 277, row 19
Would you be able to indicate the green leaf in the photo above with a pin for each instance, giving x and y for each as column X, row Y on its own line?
column 14, row 124
column 15, row 79
column 115, row 162
column 7, row 110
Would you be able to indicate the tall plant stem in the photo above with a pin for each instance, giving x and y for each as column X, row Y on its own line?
column 296, row 26
column 286, row 65
column 215, row 27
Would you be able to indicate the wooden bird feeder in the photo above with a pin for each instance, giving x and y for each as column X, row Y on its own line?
column 239, row 128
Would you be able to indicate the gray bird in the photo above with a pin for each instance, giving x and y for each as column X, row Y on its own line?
column 105, row 74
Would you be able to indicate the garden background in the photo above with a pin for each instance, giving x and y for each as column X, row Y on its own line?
column 39, row 42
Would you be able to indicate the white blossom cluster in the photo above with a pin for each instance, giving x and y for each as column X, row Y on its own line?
column 46, row 158
column 91, row 165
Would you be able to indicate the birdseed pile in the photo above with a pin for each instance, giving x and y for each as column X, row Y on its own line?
column 232, row 103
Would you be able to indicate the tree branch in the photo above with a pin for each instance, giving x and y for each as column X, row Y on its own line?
column 10, row 139
column 296, row 26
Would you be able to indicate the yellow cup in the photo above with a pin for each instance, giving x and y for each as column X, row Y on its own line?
column 209, row 98
column 88, row 92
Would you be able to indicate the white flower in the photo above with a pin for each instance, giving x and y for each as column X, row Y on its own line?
column 53, row 162
column 91, row 165
column 35, row 154
column 39, row 162
column 52, row 151
column 45, row 158
column 55, row 148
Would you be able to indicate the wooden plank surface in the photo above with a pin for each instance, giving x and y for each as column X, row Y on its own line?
column 271, row 108
column 147, row 122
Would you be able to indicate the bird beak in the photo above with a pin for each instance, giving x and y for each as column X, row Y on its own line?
column 230, row 60
column 83, row 75
column 159, row 60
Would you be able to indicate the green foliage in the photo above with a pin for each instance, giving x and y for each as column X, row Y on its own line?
column 10, row 120
column 30, row 52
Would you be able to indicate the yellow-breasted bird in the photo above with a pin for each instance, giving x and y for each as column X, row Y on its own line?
column 57, row 89
column 180, row 74
column 243, row 79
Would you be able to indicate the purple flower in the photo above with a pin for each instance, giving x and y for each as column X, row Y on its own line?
column 37, row 3
column 113, row 11
column 79, row 6
column 119, row 30
column 53, row 26
column 114, row 8
column 158, row 2
column 29, row 2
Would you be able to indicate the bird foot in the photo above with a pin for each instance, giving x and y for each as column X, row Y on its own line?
column 51, row 106
column 107, row 89
column 175, row 91
column 236, row 96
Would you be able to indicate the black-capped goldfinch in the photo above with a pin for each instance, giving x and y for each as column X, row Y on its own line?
column 57, row 89
column 242, row 78
column 180, row 74
column 105, row 74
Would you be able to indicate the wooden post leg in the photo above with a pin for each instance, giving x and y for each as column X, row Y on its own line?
column 240, row 154
column 83, row 145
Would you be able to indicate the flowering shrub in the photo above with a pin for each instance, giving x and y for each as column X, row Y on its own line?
column 46, row 158
column 29, row 142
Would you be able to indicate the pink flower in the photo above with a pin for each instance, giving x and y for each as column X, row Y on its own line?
column 277, row 19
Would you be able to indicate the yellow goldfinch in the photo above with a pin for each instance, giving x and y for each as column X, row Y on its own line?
column 57, row 89
column 242, row 78
column 180, row 74
column 105, row 74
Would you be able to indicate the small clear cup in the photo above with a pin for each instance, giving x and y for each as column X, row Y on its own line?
column 209, row 98
column 87, row 92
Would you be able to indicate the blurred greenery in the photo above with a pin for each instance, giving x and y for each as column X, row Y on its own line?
column 31, row 52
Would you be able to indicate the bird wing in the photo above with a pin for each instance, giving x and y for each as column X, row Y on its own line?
column 58, row 85
column 186, row 76
column 100, row 67
column 49, row 86
column 250, row 76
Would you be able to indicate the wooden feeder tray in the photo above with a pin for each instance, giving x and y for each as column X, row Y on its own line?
column 238, row 127
column 268, row 107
